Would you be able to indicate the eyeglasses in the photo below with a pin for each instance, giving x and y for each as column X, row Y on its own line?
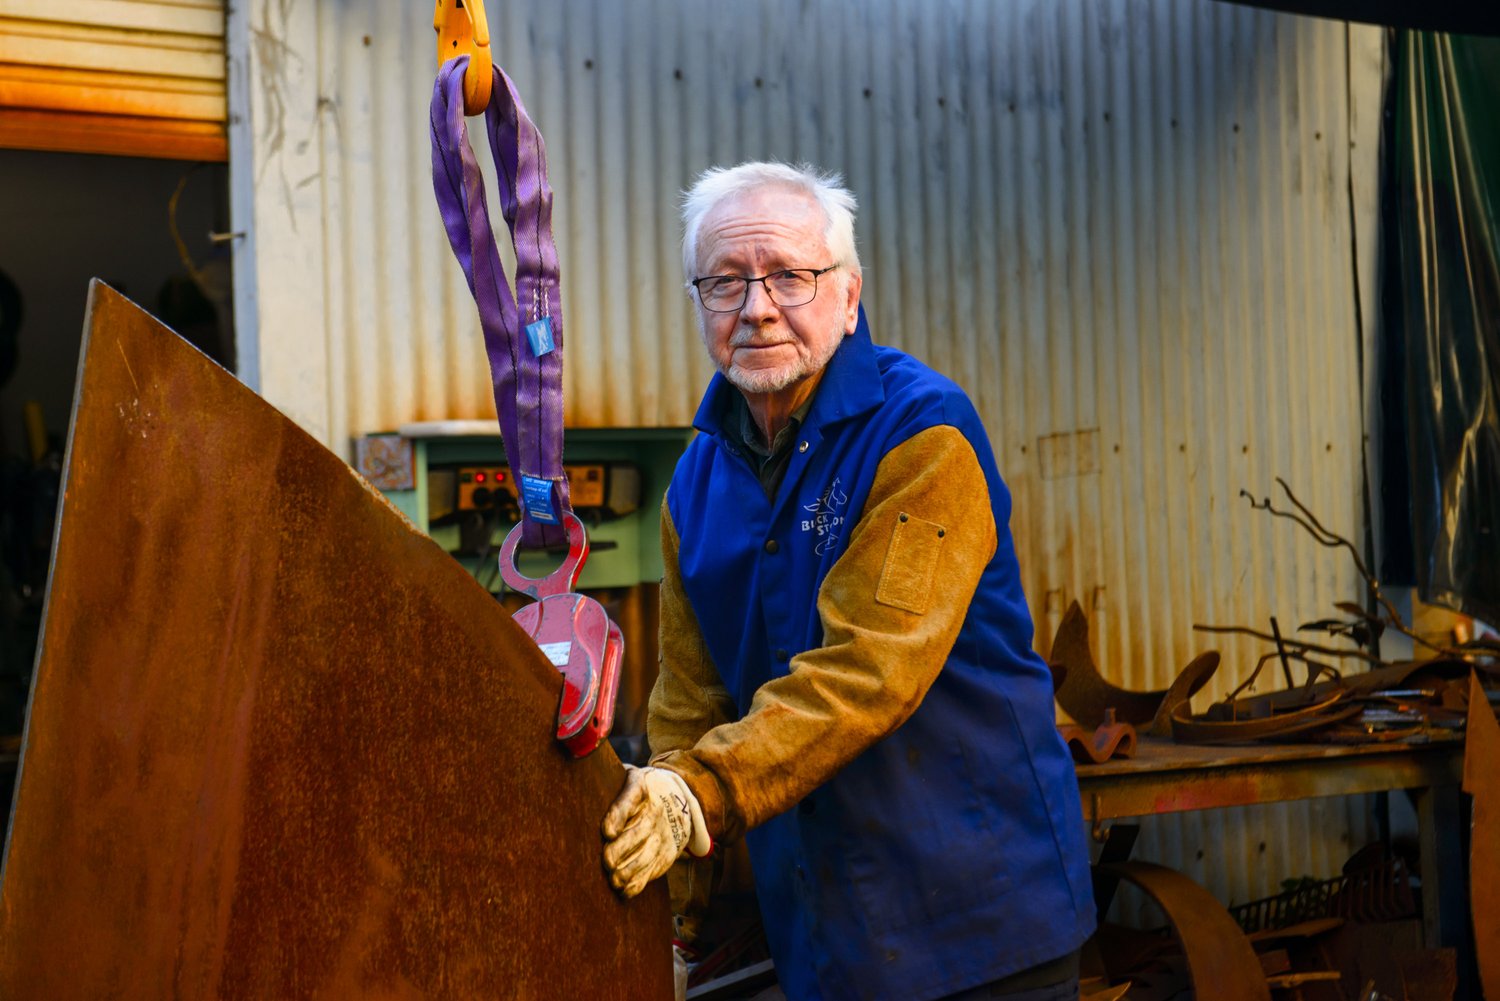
column 727, row 293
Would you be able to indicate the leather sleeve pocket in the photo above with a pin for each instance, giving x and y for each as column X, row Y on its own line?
column 910, row 564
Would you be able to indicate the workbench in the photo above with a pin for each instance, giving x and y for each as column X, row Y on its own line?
column 1166, row 777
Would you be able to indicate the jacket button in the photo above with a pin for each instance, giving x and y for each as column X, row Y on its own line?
column 781, row 654
column 772, row 546
column 802, row 446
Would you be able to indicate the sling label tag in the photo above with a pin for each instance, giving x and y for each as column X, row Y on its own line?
column 536, row 497
column 539, row 334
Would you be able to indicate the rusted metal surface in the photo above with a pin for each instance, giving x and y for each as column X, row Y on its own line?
column 1193, row 677
column 1221, row 963
column 1327, row 710
column 1086, row 696
column 1111, row 739
column 1429, row 975
column 1482, row 781
column 1395, row 702
column 280, row 744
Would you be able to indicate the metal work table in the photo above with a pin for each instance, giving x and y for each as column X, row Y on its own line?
column 1166, row 777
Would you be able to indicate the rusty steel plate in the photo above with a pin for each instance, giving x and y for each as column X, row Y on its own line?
column 280, row 745
column 1482, row 781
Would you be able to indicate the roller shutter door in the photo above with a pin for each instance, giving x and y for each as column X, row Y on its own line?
column 127, row 77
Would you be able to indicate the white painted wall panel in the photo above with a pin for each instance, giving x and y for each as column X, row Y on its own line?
column 1131, row 230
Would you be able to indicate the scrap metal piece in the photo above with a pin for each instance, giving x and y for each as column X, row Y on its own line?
column 1086, row 696
column 280, row 744
column 1325, row 712
column 1221, row 962
column 1482, row 781
column 1411, row 687
column 1409, row 674
column 1111, row 739
column 1192, row 678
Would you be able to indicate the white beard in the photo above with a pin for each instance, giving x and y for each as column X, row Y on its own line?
column 761, row 381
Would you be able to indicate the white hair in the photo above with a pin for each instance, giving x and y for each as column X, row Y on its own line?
column 716, row 184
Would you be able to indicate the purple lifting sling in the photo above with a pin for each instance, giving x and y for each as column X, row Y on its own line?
column 523, row 332
column 572, row 630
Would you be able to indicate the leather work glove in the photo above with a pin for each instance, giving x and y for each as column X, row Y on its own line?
column 655, row 817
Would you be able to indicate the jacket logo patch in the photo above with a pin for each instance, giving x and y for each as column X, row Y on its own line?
column 826, row 521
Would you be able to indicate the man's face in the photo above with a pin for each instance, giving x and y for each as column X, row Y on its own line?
column 765, row 348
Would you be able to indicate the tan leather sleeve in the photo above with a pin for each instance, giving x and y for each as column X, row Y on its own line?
column 891, row 609
column 689, row 698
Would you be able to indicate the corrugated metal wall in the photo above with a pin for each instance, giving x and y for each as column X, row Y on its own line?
column 1131, row 230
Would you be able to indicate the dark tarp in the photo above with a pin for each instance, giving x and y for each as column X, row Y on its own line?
column 1470, row 17
column 1441, row 338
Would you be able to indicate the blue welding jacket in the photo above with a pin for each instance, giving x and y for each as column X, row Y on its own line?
column 952, row 852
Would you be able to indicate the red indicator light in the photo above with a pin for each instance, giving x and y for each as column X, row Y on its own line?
column 499, row 477
column 479, row 477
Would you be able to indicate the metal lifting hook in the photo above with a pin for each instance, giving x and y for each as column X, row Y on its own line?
column 463, row 31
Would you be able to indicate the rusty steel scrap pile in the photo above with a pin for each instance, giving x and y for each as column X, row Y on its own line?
column 1304, row 942
column 1410, row 700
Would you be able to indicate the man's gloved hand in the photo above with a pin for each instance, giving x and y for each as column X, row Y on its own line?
column 655, row 817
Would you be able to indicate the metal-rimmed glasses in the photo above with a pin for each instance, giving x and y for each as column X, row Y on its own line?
column 789, row 287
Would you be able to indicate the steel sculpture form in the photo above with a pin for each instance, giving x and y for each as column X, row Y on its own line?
column 1086, row 696
column 280, row 745
column 1221, row 962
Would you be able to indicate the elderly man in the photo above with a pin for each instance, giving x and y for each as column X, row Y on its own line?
column 847, row 680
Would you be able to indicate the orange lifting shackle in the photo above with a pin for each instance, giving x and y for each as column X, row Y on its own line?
column 463, row 31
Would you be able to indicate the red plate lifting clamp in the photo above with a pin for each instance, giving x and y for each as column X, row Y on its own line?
column 576, row 634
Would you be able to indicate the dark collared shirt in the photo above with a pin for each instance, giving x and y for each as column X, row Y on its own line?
column 770, row 462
